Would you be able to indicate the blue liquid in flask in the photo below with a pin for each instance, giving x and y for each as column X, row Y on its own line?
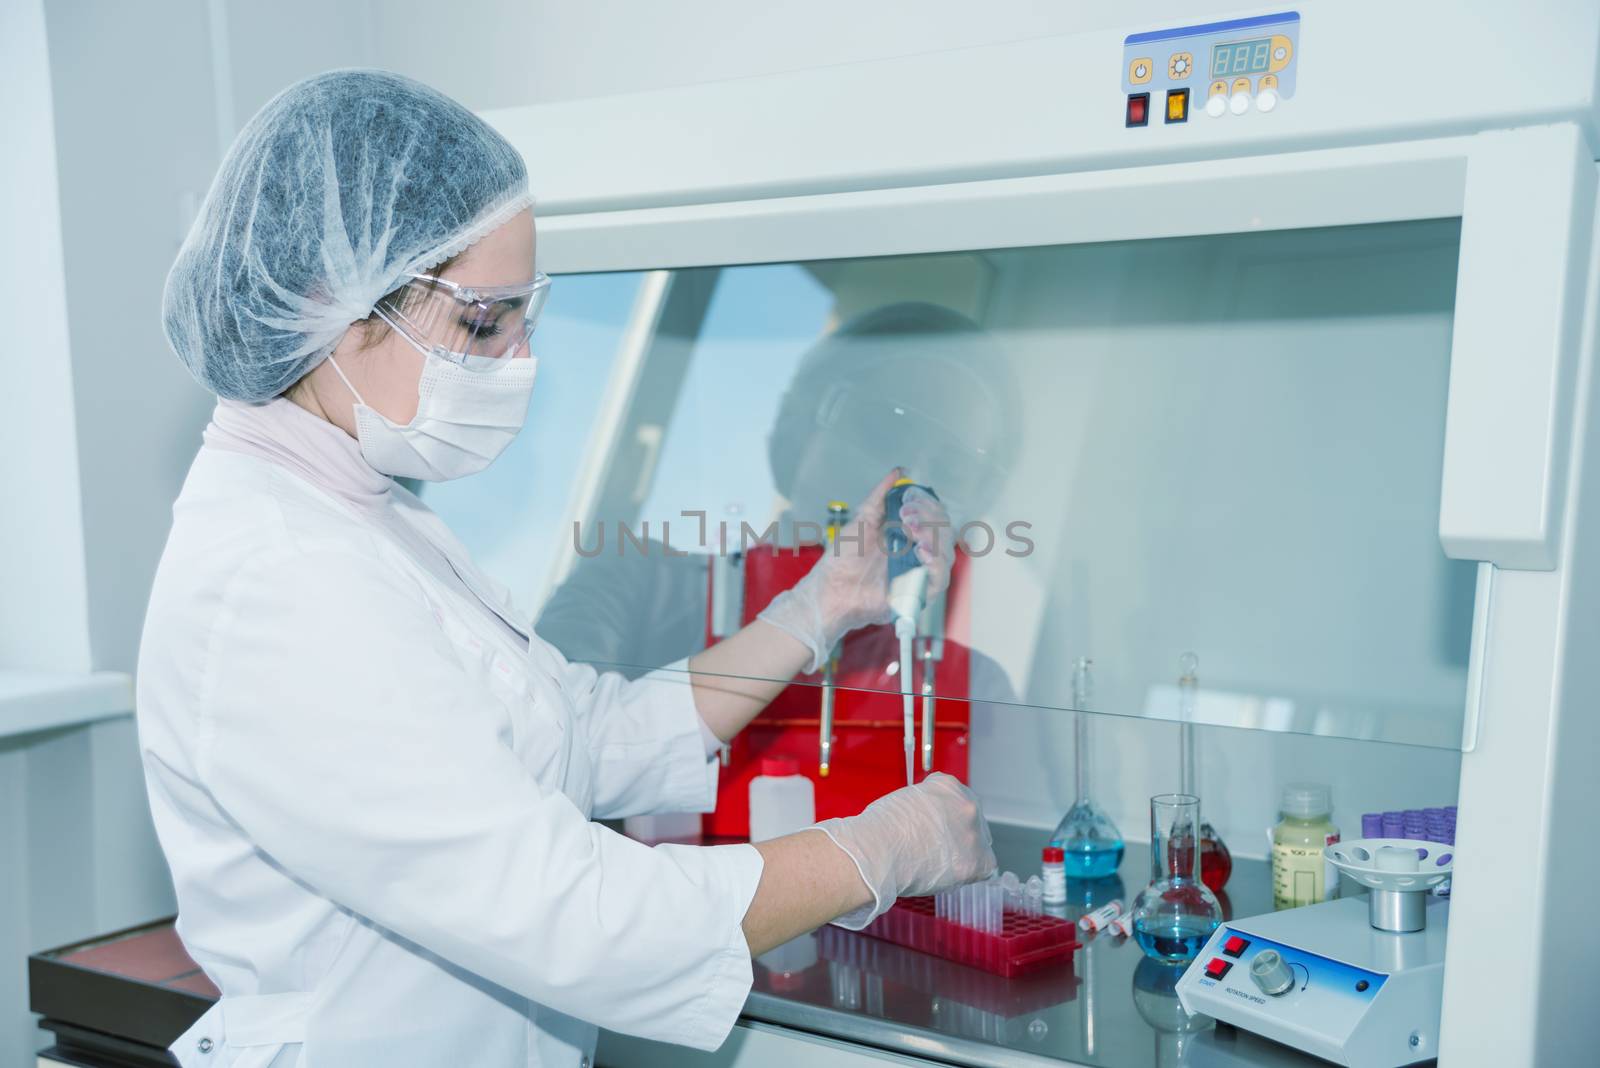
column 1175, row 943
column 1092, row 858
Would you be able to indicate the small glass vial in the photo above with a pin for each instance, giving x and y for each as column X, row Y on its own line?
column 1055, row 875
column 1101, row 917
column 1299, row 872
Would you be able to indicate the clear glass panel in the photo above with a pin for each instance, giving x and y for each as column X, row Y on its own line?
column 510, row 515
column 1227, row 444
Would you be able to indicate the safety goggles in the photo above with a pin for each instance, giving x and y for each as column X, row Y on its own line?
column 474, row 326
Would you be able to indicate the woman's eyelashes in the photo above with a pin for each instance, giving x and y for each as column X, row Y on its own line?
column 482, row 328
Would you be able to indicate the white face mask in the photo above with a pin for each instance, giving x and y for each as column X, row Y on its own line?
column 464, row 420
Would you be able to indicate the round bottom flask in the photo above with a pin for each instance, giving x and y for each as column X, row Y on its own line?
column 1176, row 913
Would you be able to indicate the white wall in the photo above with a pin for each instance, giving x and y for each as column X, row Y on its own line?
column 43, row 592
column 135, row 133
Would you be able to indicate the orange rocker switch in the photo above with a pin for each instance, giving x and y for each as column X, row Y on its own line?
column 1177, row 105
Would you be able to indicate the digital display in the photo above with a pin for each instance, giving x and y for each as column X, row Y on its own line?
column 1241, row 57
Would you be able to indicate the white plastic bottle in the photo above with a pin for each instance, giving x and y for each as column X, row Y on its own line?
column 1305, row 826
column 782, row 800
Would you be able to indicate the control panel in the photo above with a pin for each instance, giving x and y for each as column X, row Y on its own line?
column 1221, row 70
column 1292, row 984
column 1320, row 978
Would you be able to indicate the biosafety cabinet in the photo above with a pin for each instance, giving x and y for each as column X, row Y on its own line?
column 1266, row 334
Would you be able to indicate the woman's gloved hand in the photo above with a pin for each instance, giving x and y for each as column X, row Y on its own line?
column 917, row 840
column 848, row 587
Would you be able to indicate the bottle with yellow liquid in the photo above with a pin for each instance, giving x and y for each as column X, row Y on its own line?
column 1300, row 876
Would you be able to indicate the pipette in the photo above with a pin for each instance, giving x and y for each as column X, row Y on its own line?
column 908, row 587
column 838, row 515
column 932, row 651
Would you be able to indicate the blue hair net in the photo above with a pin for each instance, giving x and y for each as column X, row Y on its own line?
column 336, row 189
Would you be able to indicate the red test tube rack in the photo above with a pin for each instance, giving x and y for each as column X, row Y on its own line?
column 947, row 981
column 1025, row 942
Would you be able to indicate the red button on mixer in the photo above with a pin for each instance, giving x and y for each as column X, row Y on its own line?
column 1235, row 946
column 1216, row 967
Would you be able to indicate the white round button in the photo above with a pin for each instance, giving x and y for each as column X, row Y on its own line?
column 1279, row 52
column 1239, row 103
column 1140, row 71
column 1216, row 106
column 1266, row 100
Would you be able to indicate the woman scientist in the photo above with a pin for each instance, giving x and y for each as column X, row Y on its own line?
column 374, row 786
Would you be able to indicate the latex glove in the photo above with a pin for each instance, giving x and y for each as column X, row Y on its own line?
column 917, row 840
column 848, row 587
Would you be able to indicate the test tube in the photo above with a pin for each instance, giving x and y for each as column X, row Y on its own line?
column 1122, row 926
column 1033, row 898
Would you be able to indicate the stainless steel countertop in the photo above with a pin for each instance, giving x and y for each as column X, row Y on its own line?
column 1111, row 1007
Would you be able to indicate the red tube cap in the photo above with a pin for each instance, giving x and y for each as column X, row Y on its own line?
column 780, row 766
column 1054, row 855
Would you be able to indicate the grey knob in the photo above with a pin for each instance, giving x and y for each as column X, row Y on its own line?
column 1271, row 973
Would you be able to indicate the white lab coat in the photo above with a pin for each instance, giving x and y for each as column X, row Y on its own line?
column 376, row 801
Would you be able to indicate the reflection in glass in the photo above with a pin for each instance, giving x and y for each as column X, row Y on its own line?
column 1230, row 442
column 899, row 384
column 1086, row 895
column 1156, row 1001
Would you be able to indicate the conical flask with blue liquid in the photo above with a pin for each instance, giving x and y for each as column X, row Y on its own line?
column 1091, row 841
